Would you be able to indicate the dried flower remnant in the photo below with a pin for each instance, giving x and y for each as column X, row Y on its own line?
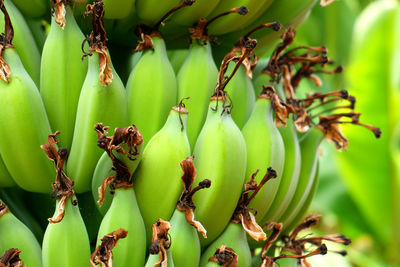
column 11, row 258
column 58, row 8
column 160, row 242
column 185, row 203
column 63, row 187
column 276, row 229
column 127, row 135
column 242, row 214
column 225, row 257
column 103, row 254
column 97, row 41
column 280, row 107
column 5, row 42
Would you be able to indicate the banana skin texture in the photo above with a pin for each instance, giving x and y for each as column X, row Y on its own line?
column 124, row 212
column 220, row 156
column 196, row 79
column 97, row 103
column 20, row 101
column 61, row 60
column 66, row 244
column 157, row 179
column 152, row 90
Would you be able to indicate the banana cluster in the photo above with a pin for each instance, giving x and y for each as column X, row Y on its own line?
column 175, row 163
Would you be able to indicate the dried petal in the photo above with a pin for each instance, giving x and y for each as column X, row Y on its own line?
column 160, row 241
column 189, row 214
column 106, row 75
column 60, row 211
column 225, row 257
column 103, row 253
column 252, row 228
column 59, row 7
column 325, row 3
column 5, row 70
column 3, row 208
column 303, row 121
column 11, row 258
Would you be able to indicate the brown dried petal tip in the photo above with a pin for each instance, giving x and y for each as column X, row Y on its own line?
column 63, row 187
column 103, row 253
column 3, row 208
column 60, row 11
column 185, row 203
column 11, row 258
column 160, row 242
column 280, row 107
column 225, row 257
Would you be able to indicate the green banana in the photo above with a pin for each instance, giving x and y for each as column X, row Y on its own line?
column 265, row 147
column 290, row 225
column 220, row 155
column 309, row 157
column 61, row 60
column 149, row 109
column 102, row 99
column 177, row 57
column 24, row 42
column 124, row 212
column 241, row 91
column 65, row 241
column 157, row 180
column 103, row 169
column 38, row 30
column 160, row 245
column 118, row 9
column 184, row 227
column 5, row 178
column 230, row 24
column 34, row 8
column 196, row 79
column 234, row 235
column 14, row 234
column 21, row 103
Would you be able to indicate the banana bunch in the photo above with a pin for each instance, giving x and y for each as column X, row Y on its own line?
column 225, row 125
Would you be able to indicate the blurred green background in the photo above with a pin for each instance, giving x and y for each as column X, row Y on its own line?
column 358, row 193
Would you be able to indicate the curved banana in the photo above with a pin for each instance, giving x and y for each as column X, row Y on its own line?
column 150, row 11
column 220, row 155
column 61, row 60
column 157, row 180
column 177, row 57
column 309, row 157
column 230, row 24
column 103, row 169
column 184, row 226
column 196, row 79
column 20, row 102
column 265, row 148
column 151, row 89
column 102, row 99
column 124, row 212
column 14, row 234
column 24, row 42
column 118, row 9
column 34, row 8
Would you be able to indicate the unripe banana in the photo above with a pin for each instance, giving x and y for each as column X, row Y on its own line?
column 177, row 57
column 220, row 155
column 234, row 236
column 309, row 157
column 152, row 89
column 241, row 91
column 265, row 148
column 65, row 241
column 14, row 234
column 61, row 60
column 24, row 42
column 66, row 244
column 5, row 178
column 157, row 180
column 118, row 9
column 160, row 245
column 102, row 99
column 150, row 11
column 196, row 79
column 124, row 212
column 103, row 169
column 20, row 102
column 184, row 226
column 232, row 23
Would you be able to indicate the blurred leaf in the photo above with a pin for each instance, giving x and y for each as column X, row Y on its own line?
column 369, row 166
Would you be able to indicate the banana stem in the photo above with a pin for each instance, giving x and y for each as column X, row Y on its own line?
column 276, row 26
column 173, row 10
column 240, row 10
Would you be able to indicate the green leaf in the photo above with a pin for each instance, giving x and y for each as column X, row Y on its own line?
column 370, row 167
